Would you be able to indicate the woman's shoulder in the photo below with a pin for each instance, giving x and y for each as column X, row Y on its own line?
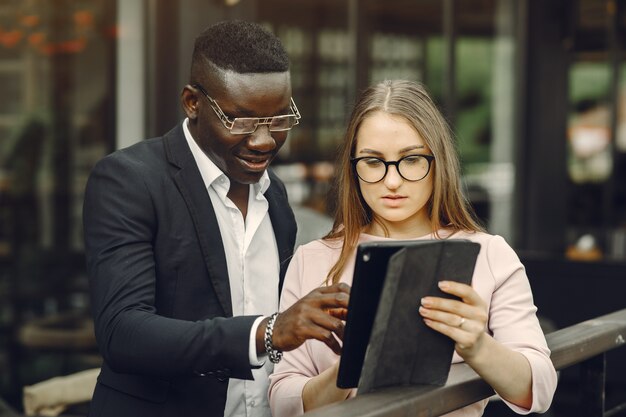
column 476, row 236
column 496, row 256
column 321, row 245
column 313, row 261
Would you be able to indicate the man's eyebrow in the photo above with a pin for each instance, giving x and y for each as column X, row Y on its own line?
column 238, row 111
column 245, row 112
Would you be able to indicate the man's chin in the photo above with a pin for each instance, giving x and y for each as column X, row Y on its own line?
column 248, row 178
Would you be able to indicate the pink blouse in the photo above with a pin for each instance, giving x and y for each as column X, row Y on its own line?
column 499, row 278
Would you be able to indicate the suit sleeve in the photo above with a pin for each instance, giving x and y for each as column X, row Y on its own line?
column 120, row 224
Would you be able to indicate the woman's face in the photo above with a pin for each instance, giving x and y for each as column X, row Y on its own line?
column 398, row 204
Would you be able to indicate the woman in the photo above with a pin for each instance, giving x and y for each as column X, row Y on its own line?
column 398, row 178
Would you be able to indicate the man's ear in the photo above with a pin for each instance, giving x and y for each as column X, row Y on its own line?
column 189, row 101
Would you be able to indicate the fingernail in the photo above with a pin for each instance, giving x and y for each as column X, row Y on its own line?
column 425, row 302
column 443, row 285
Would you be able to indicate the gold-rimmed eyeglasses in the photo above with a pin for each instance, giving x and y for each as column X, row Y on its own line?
column 247, row 125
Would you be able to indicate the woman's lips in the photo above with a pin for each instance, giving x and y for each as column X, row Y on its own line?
column 393, row 200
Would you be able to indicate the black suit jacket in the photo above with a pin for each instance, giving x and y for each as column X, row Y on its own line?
column 159, row 284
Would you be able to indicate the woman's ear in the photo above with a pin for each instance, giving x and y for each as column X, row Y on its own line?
column 189, row 101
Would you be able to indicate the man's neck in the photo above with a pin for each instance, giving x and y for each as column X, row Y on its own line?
column 238, row 194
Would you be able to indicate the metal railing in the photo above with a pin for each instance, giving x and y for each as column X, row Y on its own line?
column 584, row 343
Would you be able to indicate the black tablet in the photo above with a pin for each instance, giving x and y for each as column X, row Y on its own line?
column 451, row 259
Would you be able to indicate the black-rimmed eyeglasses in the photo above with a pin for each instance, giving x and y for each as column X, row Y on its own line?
column 411, row 167
column 247, row 125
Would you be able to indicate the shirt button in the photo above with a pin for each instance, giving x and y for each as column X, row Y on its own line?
column 252, row 403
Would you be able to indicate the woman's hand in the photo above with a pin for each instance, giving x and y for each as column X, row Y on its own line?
column 464, row 321
column 322, row 389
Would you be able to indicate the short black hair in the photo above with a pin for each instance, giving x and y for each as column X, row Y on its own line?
column 242, row 47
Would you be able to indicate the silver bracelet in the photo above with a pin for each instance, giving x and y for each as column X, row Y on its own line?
column 274, row 354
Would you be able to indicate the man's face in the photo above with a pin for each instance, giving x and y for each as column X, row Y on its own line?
column 243, row 158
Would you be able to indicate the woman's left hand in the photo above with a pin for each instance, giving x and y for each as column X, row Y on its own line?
column 464, row 320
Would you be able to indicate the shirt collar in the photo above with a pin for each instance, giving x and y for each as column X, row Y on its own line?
column 210, row 172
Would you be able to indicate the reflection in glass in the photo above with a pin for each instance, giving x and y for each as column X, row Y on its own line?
column 56, row 121
column 589, row 148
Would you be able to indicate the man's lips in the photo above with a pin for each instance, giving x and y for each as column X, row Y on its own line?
column 256, row 162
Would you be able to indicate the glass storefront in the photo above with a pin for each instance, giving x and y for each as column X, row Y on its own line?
column 462, row 52
column 56, row 120
column 596, row 149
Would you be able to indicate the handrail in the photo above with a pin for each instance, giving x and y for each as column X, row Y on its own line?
column 569, row 346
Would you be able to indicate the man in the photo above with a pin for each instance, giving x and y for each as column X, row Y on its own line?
column 188, row 237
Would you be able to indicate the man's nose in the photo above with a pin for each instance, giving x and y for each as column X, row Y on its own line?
column 261, row 140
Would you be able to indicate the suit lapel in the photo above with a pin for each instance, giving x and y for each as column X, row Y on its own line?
column 282, row 222
column 192, row 188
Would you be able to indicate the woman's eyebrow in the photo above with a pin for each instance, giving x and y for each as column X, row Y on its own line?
column 401, row 151
column 411, row 148
column 370, row 151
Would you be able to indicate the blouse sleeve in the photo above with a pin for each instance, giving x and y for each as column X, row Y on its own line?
column 297, row 367
column 513, row 322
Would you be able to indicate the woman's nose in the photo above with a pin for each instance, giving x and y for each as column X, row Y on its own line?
column 393, row 179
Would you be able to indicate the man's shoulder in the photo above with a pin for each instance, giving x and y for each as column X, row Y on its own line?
column 135, row 157
column 145, row 148
column 140, row 148
column 143, row 153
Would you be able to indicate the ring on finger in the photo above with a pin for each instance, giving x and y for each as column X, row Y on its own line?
column 461, row 322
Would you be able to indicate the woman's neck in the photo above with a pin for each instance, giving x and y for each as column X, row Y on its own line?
column 398, row 230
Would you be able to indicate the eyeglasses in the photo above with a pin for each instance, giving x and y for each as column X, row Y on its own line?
column 247, row 125
column 410, row 167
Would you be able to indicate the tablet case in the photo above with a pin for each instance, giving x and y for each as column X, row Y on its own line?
column 402, row 350
column 369, row 274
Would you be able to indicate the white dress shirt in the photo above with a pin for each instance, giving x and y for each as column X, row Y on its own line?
column 253, row 271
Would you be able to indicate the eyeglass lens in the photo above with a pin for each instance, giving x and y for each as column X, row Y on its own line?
column 411, row 168
column 243, row 125
column 247, row 125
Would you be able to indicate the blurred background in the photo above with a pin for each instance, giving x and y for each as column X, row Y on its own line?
column 535, row 91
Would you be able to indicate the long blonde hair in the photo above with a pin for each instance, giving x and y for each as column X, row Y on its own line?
column 447, row 207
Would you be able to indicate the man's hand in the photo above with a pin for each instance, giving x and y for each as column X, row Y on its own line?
column 318, row 315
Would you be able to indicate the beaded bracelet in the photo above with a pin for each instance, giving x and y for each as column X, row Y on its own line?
column 274, row 355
